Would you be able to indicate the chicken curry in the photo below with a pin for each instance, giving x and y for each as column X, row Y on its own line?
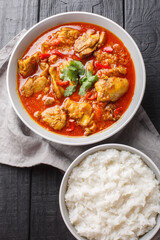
column 76, row 79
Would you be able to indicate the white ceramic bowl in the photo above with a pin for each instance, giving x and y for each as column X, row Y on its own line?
column 62, row 18
column 63, row 187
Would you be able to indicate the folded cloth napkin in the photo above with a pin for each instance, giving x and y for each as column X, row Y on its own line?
column 21, row 147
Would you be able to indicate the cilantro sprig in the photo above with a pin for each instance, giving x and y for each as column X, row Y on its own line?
column 86, row 82
column 73, row 73
column 79, row 66
column 70, row 90
column 69, row 74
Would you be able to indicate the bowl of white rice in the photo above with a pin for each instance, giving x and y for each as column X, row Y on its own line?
column 111, row 192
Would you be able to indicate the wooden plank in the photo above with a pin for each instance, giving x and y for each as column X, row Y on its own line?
column 46, row 221
column 14, row 203
column 112, row 9
column 142, row 22
column 16, row 15
column 15, row 182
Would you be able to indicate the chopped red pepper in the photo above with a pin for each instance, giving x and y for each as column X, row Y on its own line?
column 99, row 65
column 71, row 126
column 62, row 83
column 117, row 111
column 89, row 96
column 56, row 52
column 108, row 49
column 44, row 55
column 93, row 97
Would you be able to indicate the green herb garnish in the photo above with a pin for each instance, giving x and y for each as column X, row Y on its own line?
column 70, row 90
column 72, row 73
column 79, row 66
column 86, row 82
column 69, row 74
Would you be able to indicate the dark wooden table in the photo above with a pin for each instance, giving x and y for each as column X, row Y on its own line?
column 29, row 197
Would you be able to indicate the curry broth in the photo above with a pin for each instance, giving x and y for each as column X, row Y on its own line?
column 34, row 103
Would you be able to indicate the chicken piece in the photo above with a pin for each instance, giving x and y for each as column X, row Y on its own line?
column 64, row 38
column 86, row 52
column 34, row 85
column 104, row 57
column 40, row 83
column 45, row 67
column 67, row 35
column 72, row 108
column 28, row 66
column 91, row 129
column 27, row 90
column 106, row 73
column 56, row 88
column 90, row 66
column 48, row 100
column 88, row 43
column 102, row 39
column 112, row 89
column 55, row 117
column 80, row 111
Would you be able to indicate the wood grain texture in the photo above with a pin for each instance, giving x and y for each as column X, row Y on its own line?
column 14, row 203
column 15, row 182
column 112, row 9
column 46, row 222
column 16, row 15
column 142, row 22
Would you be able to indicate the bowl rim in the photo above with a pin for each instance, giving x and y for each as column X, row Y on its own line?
column 121, row 147
column 64, row 138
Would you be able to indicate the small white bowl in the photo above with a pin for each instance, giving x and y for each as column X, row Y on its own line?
column 63, row 187
column 62, row 18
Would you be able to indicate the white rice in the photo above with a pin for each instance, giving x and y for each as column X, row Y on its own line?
column 112, row 195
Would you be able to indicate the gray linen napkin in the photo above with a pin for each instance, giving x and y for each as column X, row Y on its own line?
column 21, row 147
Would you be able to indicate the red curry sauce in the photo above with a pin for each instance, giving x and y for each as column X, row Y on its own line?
column 34, row 103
